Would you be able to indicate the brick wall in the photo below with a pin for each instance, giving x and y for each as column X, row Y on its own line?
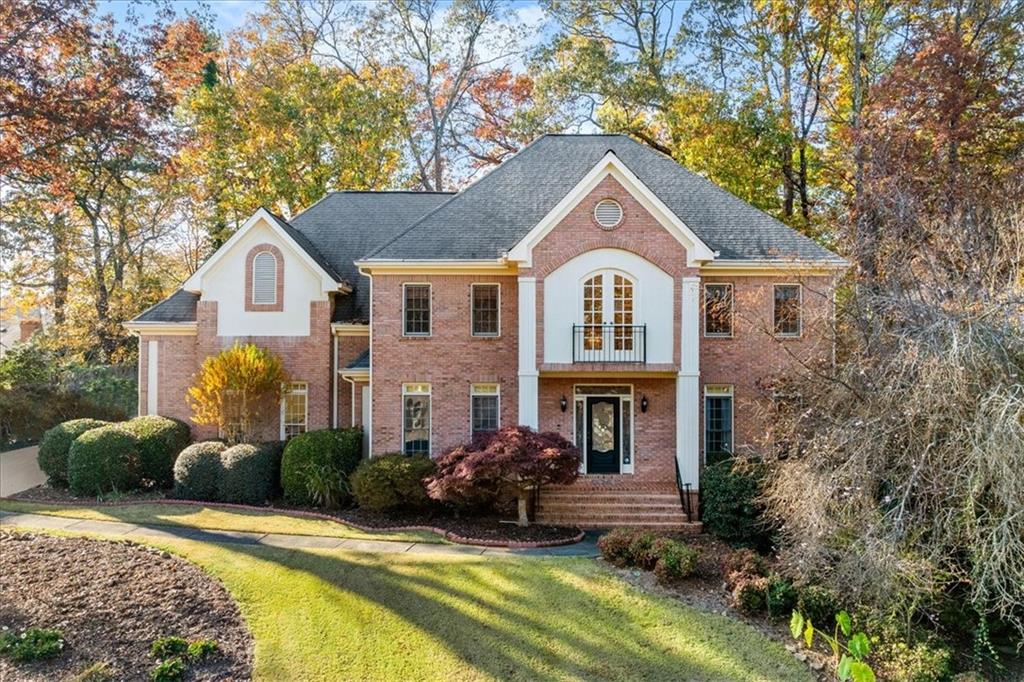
column 450, row 360
column 176, row 362
column 753, row 354
column 349, row 348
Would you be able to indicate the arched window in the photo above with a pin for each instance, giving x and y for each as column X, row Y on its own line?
column 264, row 278
column 608, row 304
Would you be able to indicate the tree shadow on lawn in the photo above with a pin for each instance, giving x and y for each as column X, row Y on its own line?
column 503, row 618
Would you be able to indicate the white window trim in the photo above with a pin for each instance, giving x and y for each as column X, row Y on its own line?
column 430, row 419
column 289, row 389
column 252, row 294
column 473, row 393
column 624, row 469
column 430, row 310
column 799, row 310
column 472, row 310
column 727, row 391
column 622, row 213
column 732, row 309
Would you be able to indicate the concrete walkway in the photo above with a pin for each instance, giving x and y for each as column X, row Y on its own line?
column 131, row 531
column 19, row 470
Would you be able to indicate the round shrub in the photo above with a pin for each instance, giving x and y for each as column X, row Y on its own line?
column 248, row 474
column 104, row 459
column 674, row 560
column 818, row 605
column 55, row 445
column 730, row 508
column 161, row 440
column 392, row 481
column 750, row 595
column 197, row 471
column 743, row 563
column 616, row 546
column 640, row 553
column 780, row 597
column 316, row 465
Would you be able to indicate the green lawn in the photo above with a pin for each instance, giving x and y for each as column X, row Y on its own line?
column 212, row 518
column 336, row 615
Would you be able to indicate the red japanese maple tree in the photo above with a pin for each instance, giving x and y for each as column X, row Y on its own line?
column 508, row 463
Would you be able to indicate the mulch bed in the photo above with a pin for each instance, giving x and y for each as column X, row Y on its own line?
column 479, row 528
column 111, row 600
column 476, row 530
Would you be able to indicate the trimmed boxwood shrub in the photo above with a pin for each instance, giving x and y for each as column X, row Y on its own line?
column 729, row 507
column 104, row 459
column 197, row 471
column 315, row 456
column 392, row 481
column 161, row 440
column 56, row 443
column 249, row 473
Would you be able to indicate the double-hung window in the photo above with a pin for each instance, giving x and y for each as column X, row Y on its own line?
column 486, row 300
column 294, row 409
column 484, row 408
column 717, row 423
column 416, row 309
column 787, row 310
column 718, row 310
column 416, row 419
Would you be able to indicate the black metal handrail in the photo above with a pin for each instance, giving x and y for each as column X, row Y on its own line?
column 684, row 492
column 609, row 343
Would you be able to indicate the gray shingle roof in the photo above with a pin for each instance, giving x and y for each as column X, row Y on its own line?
column 345, row 226
column 361, row 362
column 303, row 241
column 178, row 307
column 491, row 216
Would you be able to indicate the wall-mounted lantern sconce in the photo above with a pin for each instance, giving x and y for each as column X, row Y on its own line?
column 563, row 403
column 643, row 403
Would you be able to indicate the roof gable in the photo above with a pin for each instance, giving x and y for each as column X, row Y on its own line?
column 610, row 165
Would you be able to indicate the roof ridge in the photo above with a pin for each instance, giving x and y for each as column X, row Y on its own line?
column 460, row 193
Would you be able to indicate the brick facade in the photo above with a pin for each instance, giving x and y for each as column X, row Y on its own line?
column 451, row 359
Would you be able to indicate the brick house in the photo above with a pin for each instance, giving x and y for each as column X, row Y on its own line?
column 589, row 285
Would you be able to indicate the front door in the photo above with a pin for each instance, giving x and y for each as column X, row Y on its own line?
column 603, row 441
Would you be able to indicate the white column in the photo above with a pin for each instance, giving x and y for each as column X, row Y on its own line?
column 688, row 384
column 528, row 378
column 152, row 377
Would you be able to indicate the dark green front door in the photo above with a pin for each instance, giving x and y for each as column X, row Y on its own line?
column 603, row 440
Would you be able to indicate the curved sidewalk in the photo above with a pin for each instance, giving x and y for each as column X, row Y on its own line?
column 133, row 531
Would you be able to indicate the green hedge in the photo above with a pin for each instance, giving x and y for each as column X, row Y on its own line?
column 161, row 440
column 392, row 481
column 104, row 459
column 730, row 507
column 198, row 471
column 56, row 443
column 316, row 456
column 249, row 473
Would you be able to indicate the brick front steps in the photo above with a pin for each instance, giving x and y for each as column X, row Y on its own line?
column 588, row 508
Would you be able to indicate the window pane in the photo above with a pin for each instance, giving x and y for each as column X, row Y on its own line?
column 416, row 432
column 623, row 313
column 417, row 309
column 485, row 413
column 787, row 309
column 627, row 431
column 264, row 278
column 295, row 409
column 593, row 312
column 485, row 309
column 718, row 429
column 718, row 310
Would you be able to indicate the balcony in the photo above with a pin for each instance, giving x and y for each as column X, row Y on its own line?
column 609, row 343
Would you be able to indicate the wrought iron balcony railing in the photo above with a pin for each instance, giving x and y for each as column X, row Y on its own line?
column 609, row 343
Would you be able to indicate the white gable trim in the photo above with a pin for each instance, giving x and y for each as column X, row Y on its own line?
column 697, row 252
column 327, row 282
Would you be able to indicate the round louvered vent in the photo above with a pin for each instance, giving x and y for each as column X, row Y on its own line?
column 608, row 213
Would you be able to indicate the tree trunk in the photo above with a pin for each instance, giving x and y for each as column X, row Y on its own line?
column 524, row 519
column 61, row 265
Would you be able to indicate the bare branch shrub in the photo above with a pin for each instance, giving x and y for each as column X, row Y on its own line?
column 897, row 477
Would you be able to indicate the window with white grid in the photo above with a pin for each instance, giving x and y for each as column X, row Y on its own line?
column 294, row 409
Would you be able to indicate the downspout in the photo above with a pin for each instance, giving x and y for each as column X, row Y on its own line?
column 334, row 384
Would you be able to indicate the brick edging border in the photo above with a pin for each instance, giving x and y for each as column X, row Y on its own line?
column 446, row 534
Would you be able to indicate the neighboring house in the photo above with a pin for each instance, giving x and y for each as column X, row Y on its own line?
column 589, row 285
